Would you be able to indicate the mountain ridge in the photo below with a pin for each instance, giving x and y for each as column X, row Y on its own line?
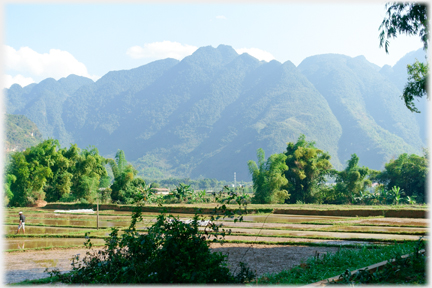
column 207, row 114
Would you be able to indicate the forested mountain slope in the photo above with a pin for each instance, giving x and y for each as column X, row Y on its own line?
column 376, row 125
column 209, row 113
column 20, row 133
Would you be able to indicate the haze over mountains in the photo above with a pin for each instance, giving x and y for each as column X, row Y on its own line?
column 208, row 114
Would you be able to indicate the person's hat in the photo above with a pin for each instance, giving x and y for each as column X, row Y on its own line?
column 20, row 212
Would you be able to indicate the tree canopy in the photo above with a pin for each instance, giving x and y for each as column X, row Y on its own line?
column 308, row 168
column 48, row 171
column 268, row 178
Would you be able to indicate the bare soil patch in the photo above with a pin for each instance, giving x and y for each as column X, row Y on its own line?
column 262, row 259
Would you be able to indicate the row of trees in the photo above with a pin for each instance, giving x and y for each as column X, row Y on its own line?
column 48, row 172
column 304, row 174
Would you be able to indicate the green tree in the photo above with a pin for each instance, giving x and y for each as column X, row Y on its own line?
column 8, row 192
column 32, row 169
column 308, row 168
column 60, row 184
column 352, row 181
column 268, row 178
column 409, row 173
column 47, row 171
column 125, row 185
column 87, row 173
column 411, row 19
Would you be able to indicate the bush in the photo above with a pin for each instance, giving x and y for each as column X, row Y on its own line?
column 67, row 198
column 83, row 201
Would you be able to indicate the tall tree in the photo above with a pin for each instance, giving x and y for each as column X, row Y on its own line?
column 125, row 185
column 32, row 169
column 411, row 19
column 352, row 180
column 308, row 168
column 87, row 173
column 268, row 178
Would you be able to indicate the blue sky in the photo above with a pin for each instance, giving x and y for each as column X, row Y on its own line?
column 55, row 40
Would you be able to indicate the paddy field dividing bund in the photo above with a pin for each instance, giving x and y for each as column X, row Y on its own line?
column 271, row 238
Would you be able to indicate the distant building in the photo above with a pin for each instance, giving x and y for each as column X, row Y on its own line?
column 160, row 191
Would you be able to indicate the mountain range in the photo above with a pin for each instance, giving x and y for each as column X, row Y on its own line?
column 207, row 114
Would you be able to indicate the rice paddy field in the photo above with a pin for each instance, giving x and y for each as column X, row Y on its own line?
column 46, row 228
column 270, row 239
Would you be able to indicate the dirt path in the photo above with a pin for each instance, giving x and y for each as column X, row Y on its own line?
column 20, row 266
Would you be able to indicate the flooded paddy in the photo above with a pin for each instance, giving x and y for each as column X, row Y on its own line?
column 283, row 226
column 376, row 229
column 80, row 223
column 37, row 230
column 287, row 218
column 319, row 234
column 29, row 243
column 394, row 222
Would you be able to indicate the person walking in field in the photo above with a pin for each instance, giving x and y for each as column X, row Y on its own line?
column 21, row 222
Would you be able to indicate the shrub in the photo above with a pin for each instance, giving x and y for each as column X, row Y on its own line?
column 67, row 198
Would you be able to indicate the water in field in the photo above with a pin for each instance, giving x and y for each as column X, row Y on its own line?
column 11, row 229
column 80, row 223
column 319, row 234
column 376, row 229
column 265, row 225
column 27, row 243
column 394, row 221
column 286, row 218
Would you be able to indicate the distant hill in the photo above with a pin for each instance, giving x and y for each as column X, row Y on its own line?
column 398, row 76
column 21, row 133
column 208, row 114
column 376, row 125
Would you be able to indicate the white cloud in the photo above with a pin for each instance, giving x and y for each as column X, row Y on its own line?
column 8, row 80
column 221, row 17
column 161, row 50
column 257, row 53
column 55, row 64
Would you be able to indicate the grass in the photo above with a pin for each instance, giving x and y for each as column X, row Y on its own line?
column 333, row 264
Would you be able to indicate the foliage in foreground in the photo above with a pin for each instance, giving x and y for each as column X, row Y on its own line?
column 172, row 252
column 333, row 264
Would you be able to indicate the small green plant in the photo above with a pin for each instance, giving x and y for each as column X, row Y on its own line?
column 410, row 200
column 83, row 201
column 397, row 194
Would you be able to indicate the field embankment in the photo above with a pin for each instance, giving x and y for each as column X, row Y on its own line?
column 398, row 211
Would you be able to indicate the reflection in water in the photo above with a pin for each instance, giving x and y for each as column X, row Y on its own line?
column 22, row 245
column 48, row 242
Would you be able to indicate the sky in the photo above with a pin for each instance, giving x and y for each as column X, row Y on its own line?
column 56, row 40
